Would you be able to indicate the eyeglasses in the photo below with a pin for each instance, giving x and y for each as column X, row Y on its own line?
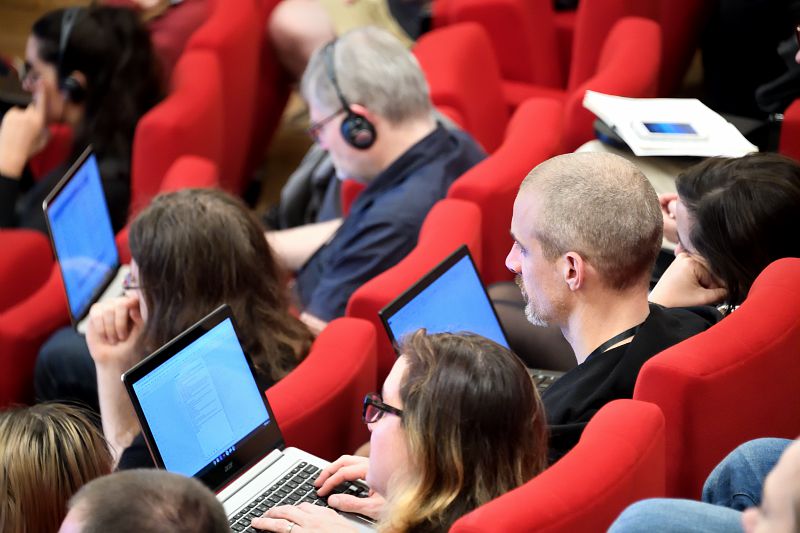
column 28, row 74
column 374, row 409
column 315, row 127
column 128, row 284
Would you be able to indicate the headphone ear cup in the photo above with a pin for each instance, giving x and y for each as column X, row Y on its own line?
column 73, row 90
column 358, row 131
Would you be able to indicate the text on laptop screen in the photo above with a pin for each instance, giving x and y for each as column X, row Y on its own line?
column 202, row 402
column 82, row 235
column 454, row 302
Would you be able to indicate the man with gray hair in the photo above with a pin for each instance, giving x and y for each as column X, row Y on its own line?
column 145, row 501
column 587, row 228
column 370, row 109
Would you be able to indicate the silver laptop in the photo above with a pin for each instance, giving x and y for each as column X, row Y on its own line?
column 203, row 414
column 83, row 241
column 451, row 298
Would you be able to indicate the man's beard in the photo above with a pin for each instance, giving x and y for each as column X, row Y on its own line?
column 533, row 316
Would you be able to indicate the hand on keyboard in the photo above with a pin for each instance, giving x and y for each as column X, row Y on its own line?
column 306, row 517
column 348, row 470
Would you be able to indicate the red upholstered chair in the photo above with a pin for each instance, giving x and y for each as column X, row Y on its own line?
column 790, row 132
column 449, row 224
column 618, row 460
column 734, row 382
column 55, row 153
column 318, row 405
column 464, row 77
column 628, row 66
column 531, row 138
column 234, row 32
column 187, row 122
column 25, row 326
column 24, row 265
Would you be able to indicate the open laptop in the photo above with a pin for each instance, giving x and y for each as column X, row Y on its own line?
column 82, row 238
column 203, row 414
column 451, row 298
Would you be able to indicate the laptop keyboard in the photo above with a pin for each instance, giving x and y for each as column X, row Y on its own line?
column 294, row 488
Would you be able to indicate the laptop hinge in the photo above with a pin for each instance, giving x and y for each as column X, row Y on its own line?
column 242, row 481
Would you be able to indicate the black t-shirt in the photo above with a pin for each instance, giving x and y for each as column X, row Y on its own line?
column 572, row 400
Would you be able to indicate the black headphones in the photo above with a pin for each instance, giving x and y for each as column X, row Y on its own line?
column 356, row 129
column 71, row 87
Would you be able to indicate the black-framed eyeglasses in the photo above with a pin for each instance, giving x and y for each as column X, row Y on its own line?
column 128, row 284
column 374, row 409
column 315, row 127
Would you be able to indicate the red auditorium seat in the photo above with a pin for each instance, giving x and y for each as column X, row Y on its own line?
column 618, row 460
column 233, row 32
column 55, row 153
column 628, row 66
column 318, row 405
column 25, row 264
column 789, row 144
column 463, row 75
column 25, row 326
column 550, row 49
column 734, row 382
column 464, row 78
column 187, row 122
column 449, row 224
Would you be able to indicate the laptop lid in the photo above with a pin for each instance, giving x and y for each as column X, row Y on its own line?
column 450, row 298
column 201, row 410
column 81, row 234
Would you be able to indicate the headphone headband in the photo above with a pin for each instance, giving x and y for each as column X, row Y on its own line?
column 68, row 21
column 330, row 56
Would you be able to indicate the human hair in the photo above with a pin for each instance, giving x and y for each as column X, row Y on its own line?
column 475, row 428
column 47, row 452
column 601, row 206
column 148, row 501
column 372, row 68
column 742, row 209
column 112, row 48
column 199, row 248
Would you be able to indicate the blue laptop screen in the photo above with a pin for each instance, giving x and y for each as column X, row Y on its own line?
column 202, row 402
column 455, row 301
column 82, row 236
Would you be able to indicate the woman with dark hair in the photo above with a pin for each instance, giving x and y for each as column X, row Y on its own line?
column 731, row 218
column 458, row 424
column 92, row 69
column 191, row 251
column 47, row 453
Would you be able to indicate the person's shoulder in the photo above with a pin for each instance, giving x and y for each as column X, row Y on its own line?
column 701, row 316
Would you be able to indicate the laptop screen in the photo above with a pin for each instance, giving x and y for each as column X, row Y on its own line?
column 202, row 402
column 451, row 298
column 80, row 227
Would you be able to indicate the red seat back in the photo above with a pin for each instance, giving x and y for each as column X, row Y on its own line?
column 187, row 122
column 789, row 144
column 318, row 405
column 522, row 33
column 233, row 32
column 463, row 75
column 734, row 382
column 449, row 224
column 628, row 66
column 24, row 264
column 618, row 460
column 492, row 184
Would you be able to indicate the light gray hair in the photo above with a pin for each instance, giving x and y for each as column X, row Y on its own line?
column 601, row 206
column 373, row 69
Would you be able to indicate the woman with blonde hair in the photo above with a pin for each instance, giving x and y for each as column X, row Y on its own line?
column 458, row 424
column 47, row 453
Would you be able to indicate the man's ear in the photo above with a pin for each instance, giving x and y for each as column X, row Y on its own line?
column 574, row 270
